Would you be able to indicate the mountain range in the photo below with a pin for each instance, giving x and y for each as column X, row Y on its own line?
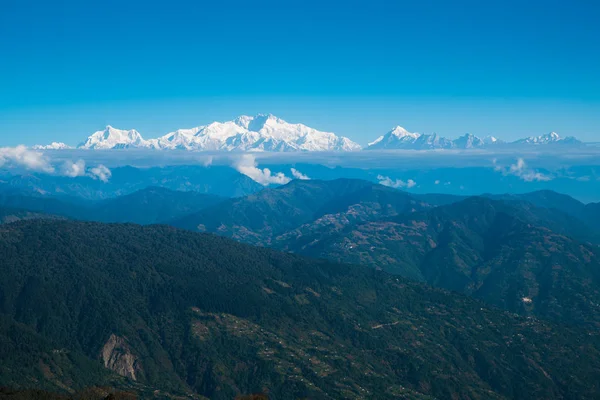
column 543, row 243
column 400, row 138
column 166, row 313
column 466, row 244
column 169, row 313
column 258, row 133
column 266, row 132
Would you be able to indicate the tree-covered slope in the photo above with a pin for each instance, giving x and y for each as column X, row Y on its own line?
column 260, row 217
column 8, row 215
column 194, row 313
column 147, row 206
column 503, row 253
column 151, row 205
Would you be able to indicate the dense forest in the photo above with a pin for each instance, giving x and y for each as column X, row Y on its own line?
column 154, row 308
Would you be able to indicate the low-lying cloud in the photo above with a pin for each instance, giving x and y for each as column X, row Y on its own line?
column 37, row 161
column 522, row 170
column 299, row 175
column 397, row 184
column 73, row 169
column 100, row 172
column 247, row 165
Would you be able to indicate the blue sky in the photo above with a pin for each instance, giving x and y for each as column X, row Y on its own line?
column 509, row 68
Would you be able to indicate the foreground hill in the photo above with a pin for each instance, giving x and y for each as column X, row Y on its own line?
column 194, row 313
column 8, row 215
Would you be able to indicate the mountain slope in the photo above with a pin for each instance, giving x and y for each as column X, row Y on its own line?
column 8, row 215
column 258, row 218
column 498, row 252
column 556, row 201
column 192, row 313
column 151, row 205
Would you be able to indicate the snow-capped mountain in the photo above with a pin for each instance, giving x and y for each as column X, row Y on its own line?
column 397, row 138
column 258, row 133
column 468, row 141
column 400, row 138
column 52, row 146
column 112, row 138
column 266, row 132
column 548, row 138
column 489, row 140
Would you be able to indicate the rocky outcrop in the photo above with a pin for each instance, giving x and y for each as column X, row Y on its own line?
column 117, row 356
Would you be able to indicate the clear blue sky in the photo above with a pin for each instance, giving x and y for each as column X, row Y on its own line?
column 503, row 67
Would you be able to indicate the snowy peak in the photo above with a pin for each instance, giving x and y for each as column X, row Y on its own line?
column 469, row 141
column 400, row 138
column 491, row 140
column 397, row 138
column 112, row 138
column 263, row 132
column 52, row 146
column 266, row 132
column 400, row 132
column 549, row 138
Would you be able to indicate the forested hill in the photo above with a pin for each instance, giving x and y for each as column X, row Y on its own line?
column 189, row 313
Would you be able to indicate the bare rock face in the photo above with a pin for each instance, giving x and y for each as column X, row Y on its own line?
column 117, row 357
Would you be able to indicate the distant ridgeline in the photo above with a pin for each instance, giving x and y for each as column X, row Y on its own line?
column 266, row 132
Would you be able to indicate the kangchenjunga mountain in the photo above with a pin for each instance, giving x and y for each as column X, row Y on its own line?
column 259, row 133
column 195, row 314
column 266, row 132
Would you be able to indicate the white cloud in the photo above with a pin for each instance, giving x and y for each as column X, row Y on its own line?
column 73, row 169
column 437, row 182
column 100, row 172
column 247, row 165
column 207, row 162
column 521, row 170
column 398, row 183
column 299, row 175
column 21, row 156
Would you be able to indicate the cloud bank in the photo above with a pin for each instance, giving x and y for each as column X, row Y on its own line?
column 23, row 157
column 33, row 160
